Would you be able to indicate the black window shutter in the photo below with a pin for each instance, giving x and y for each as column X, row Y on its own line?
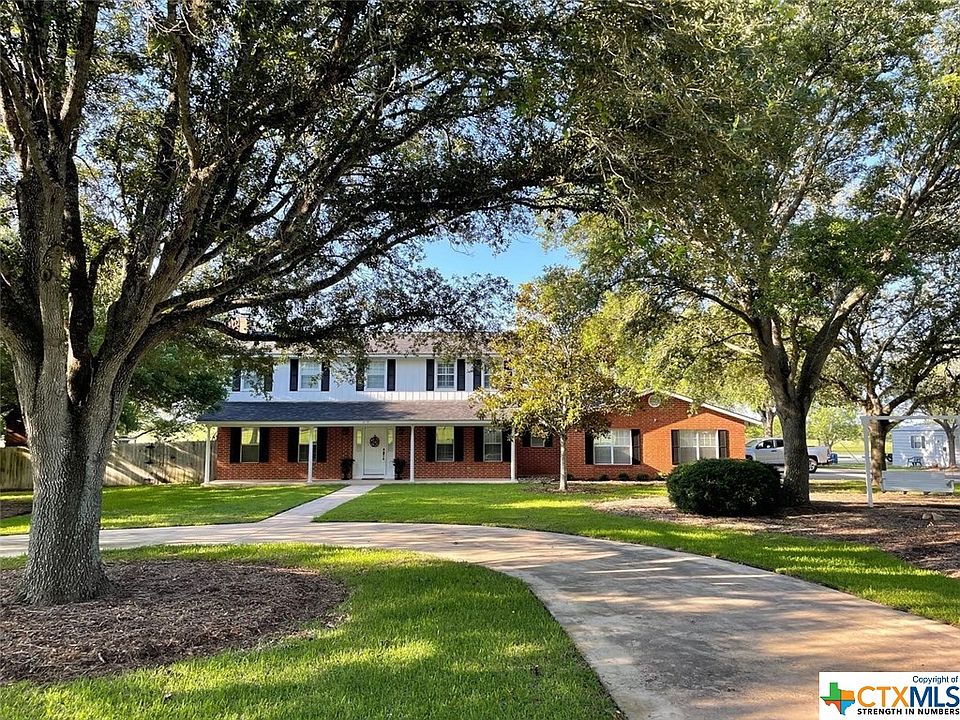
column 430, row 372
column 293, row 444
column 320, row 451
column 477, row 375
column 325, row 377
column 294, row 374
column 478, row 443
column 637, row 448
column 506, row 446
column 264, row 444
column 723, row 437
column 391, row 374
column 458, row 444
column 461, row 374
column 360, row 378
column 588, row 448
column 431, row 444
column 236, row 381
column 675, row 446
column 549, row 441
column 235, row 444
column 526, row 439
column 268, row 381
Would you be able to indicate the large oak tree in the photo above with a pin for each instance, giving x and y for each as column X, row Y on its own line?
column 179, row 161
column 789, row 162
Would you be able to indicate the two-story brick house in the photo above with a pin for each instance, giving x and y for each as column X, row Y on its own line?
column 302, row 422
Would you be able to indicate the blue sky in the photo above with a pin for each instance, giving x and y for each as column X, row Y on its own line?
column 523, row 260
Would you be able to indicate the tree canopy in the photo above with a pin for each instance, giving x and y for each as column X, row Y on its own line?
column 549, row 380
column 791, row 162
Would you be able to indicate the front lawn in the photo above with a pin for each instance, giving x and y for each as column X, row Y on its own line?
column 166, row 505
column 420, row 638
column 856, row 569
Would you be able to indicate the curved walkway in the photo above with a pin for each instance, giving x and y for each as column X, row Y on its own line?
column 671, row 635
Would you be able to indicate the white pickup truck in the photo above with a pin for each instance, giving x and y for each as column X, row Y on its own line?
column 769, row 450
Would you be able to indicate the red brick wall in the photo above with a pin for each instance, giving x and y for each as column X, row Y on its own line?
column 655, row 425
column 469, row 468
column 339, row 445
column 537, row 461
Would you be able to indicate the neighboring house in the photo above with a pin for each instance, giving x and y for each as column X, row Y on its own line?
column 919, row 443
column 407, row 391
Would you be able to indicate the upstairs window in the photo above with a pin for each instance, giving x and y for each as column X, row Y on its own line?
column 444, row 444
column 613, row 447
column 540, row 440
column 487, row 374
column 446, row 376
column 492, row 445
column 309, row 375
column 250, row 445
column 376, row 375
column 248, row 381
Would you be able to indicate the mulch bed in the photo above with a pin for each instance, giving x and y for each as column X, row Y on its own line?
column 162, row 611
column 923, row 530
column 13, row 508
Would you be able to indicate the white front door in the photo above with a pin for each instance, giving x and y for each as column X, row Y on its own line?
column 375, row 452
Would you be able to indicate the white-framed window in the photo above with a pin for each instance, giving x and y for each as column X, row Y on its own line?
column 698, row 445
column 444, row 451
column 307, row 435
column 540, row 440
column 310, row 373
column 446, row 375
column 376, row 375
column 918, row 442
column 249, row 445
column 614, row 447
column 248, row 381
column 492, row 445
column 486, row 374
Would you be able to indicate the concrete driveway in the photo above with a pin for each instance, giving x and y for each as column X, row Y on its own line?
column 671, row 635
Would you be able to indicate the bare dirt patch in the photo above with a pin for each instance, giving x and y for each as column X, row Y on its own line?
column 162, row 611
column 13, row 508
column 923, row 530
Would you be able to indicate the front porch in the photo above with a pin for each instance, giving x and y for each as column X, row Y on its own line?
column 382, row 441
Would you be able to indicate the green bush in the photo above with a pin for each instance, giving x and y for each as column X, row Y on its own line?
column 643, row 477
column 623, row 477
column 603, row 478
column 725, row 488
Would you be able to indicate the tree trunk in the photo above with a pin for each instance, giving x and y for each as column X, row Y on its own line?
column 879, row 429
column 950, row 428
column 562, row 439
column 766, row 418
column 796, row 471
column 69, row 450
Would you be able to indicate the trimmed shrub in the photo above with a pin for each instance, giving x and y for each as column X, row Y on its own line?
column 603, row 478
column 623, row 477
column 725, row 488
column 643, row 477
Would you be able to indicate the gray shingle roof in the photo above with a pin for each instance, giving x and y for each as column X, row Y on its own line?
column 348, row 413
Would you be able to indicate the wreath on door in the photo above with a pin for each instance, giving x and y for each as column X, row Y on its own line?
column 374, row 441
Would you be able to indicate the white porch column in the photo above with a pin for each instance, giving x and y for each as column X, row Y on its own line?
column 311, row 437
column 206, row 460
column 867, row 470
column 413, row 439
column 513, row 457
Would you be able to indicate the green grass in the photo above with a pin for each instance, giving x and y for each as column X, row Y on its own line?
column 165, row 505
column 856, row 569
column 422, row 639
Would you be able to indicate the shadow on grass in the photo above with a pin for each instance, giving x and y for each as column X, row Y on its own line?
column 417, row 642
